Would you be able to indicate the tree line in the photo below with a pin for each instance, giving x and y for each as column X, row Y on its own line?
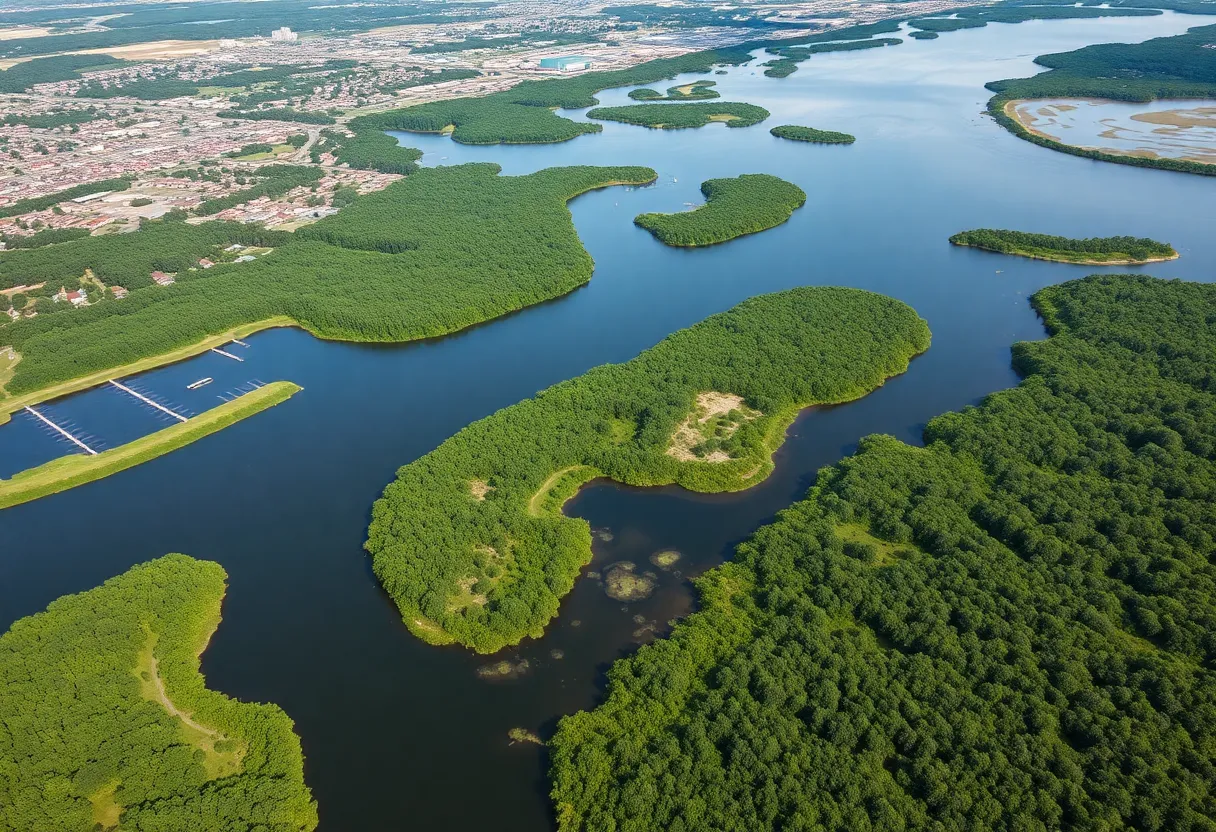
column 435, row 541
column 1051, row 247
column 41, row 203
column 86, row 735
column 1035, row 652
column 733, row 207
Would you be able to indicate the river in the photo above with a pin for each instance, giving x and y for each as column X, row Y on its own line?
column 401, row 735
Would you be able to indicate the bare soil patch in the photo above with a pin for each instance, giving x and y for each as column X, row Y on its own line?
column 711, row 416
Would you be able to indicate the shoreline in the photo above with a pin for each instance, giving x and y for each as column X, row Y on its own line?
column 1046, row 258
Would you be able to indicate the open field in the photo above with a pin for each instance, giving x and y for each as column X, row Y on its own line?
column 71, row 471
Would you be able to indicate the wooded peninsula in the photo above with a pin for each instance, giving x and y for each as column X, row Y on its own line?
column 1011, row 627
column 438, row 251
column 107, row 721
column 1089, row 251
column 1183, row 66
column 470, row 541
column 733, row 207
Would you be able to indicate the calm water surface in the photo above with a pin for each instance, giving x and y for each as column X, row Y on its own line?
column 400, row 735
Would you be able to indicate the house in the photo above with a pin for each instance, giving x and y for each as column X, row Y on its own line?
column 118, row 292
column 76, row 298
column 234, row 247
column 163, row 279
column 244, row 258
column 205, row 263
column 13, row 313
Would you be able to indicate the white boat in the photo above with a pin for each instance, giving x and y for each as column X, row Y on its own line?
column 202, row 382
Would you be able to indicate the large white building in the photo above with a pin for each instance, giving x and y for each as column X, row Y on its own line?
column 284, row 34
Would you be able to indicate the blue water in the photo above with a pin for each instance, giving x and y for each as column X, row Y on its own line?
column 397, row 733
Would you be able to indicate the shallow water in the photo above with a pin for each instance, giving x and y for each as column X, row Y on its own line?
column 399, row 734
column 1173, row 129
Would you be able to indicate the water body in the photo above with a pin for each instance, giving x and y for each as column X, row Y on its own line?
column 1172, row 129
column 401, row 735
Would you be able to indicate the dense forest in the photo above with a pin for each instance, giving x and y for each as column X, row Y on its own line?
column 696, row 91
column 41, row 203
column 790, row 56
column 680, row 116
column 1175, row 67
column 733, row 207
column 369, row 150
column 796, row 133
column 435, row 252
column 87, row 740
column 1064, row 249
column 1011, row 628
column 470, row 540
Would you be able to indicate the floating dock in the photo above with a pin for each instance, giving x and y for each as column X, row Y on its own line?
column 63, row 432
column 227, row 354
column 179, row 417
column 202, row 382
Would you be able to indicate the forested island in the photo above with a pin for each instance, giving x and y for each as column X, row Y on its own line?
column 107, row 721
column 1183, row 66
column 1090, row 251
column 438, row 251
column 1013, row 627
column 78, row 469
column 697, row 90
column 470, row 541
column 733, row 207
column 796, row 133
column 680, row 116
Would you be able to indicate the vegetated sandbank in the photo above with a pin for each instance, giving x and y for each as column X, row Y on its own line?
column 733, row 207
column 1182, row 66
column 1109, row 251
column 796, row 133
column 108, row 722
column 486, row 571
column 77, row 469
column 937, row 637
column 680, row 116
column 436, row 252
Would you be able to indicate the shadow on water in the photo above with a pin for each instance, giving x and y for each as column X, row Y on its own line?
column 397, row 733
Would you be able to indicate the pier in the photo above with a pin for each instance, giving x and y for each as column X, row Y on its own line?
column 146, row 400
column 227, row 354
column 239, row 342
column 63, row 432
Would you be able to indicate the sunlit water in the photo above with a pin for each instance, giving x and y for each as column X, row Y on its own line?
column 1171, row 129
column 401, row 735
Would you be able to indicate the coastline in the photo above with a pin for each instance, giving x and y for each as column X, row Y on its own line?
column 1069, row 261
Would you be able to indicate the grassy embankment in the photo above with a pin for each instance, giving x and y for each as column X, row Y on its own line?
column 11, row 404
column 78, row 469
column 733, row 207
column 1101, row 251
column 470, row 540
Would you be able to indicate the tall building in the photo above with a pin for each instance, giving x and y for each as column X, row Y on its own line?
column 285, row 35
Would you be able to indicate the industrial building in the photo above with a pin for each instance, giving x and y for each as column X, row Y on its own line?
column 566, row 63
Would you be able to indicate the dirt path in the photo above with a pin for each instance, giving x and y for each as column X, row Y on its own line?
column 158, row 688
column 539, row 496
